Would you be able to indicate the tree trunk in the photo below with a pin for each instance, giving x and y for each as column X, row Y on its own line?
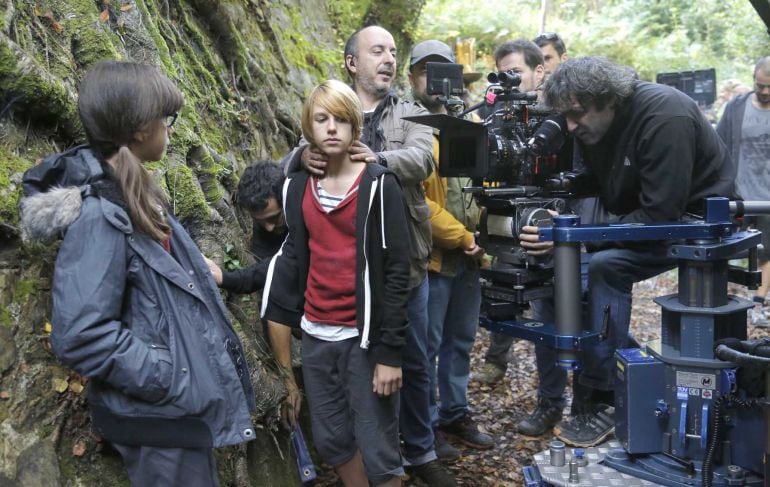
column 244, row 66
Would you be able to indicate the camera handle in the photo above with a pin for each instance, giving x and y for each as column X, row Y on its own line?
column 454, row 105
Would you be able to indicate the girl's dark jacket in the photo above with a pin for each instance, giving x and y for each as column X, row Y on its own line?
column 149, row 329
column 382, row 263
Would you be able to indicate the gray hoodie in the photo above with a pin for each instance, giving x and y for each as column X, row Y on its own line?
column 146, row 326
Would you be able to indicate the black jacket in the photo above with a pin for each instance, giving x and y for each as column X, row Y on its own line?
column 658, row 160
column 731, row 123
column 147, row 327
column 382, row 263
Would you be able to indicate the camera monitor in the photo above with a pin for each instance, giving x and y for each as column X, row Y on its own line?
column 699, row 85
column 463, row 145
column 445, row 79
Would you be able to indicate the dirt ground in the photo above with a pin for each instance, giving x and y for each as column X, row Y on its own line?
column 497, row 409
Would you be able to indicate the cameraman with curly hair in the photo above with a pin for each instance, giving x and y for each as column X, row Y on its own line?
column 651, row 156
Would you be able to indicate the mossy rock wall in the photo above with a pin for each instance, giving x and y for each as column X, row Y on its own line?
column 244, row 67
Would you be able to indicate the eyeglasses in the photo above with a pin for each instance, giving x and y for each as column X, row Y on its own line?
column 169, row 120
column 547, row 36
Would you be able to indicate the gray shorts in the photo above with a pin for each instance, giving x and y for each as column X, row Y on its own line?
column 346, row 414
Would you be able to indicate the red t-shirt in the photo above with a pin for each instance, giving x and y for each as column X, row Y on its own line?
column 330, row 296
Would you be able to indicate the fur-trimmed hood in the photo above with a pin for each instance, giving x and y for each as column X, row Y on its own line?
column 54, row 191
column 45, row 215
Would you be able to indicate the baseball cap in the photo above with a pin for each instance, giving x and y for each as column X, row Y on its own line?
column 431, row 48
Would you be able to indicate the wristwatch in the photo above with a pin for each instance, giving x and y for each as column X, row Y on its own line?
column 382, row 160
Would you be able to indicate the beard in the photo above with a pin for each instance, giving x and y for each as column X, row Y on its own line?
column 372, row 87
column 430, row 102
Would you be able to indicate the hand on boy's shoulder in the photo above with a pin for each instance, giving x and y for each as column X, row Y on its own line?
column 387, row 380
column 360, row 152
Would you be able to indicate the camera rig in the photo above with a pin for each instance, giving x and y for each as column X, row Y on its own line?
column 692, row 407
column 511, row 157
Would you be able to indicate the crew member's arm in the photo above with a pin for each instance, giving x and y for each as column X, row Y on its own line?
column 530, row 240
column 280, row 341
column 447, row 231
column 413, row 162
column 242, row 281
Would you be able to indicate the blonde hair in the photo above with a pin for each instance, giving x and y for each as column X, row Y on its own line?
column 339, row 100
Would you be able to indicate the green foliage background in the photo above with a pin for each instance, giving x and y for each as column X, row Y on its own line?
column 651, row 35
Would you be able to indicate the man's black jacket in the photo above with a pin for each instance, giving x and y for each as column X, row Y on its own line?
column 658, row 160
column 264, row 245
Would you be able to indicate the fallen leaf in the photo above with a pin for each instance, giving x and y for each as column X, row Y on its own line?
column 57, row 27
column 60, row 385
column 76, row 387
column 36, row 11
column 4, row 395
column 47, row 327
column 126, row 8
column 104, row 16
column 79, row 448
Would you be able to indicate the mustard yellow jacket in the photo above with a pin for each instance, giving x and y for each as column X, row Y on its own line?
column 450, row 235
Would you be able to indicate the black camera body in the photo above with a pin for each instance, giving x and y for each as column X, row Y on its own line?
column 511, row 156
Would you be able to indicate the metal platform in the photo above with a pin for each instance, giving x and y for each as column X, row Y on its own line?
column 592, row 475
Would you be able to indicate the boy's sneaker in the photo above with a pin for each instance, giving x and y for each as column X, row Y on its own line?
column 543, row 418
column 465, row 430
column 433, row 473
column 588, row 428
column 489, row 374
column 445, row 451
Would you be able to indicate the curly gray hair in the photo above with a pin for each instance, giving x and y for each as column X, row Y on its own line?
column 590, row 81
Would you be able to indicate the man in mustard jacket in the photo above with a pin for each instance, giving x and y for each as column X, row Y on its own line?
column 453, row 273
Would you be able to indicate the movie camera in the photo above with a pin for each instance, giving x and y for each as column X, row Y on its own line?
column 513, row 155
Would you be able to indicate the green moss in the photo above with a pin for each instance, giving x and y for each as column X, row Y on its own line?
column 209, row 173
column 11, row 169
column 45, row 97
column 187, row 198
column 24, row 287
column 302, row 52
column 150, row 15
column 5, row 317
column 92, row 45
column 347, row 16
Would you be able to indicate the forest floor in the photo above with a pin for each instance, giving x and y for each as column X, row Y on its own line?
column 497, row 409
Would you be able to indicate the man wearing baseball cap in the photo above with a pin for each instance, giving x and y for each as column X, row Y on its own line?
column 453, row 279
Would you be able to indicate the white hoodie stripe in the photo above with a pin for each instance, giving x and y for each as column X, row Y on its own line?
column 271, row 267
column 382, row 212
column 367, row 287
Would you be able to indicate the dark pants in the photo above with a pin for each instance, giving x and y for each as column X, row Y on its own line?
column 608, row 277
column 346, row 415
column 611, row 276
column 170, row 467
column 414, row 418
column 552, row 379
